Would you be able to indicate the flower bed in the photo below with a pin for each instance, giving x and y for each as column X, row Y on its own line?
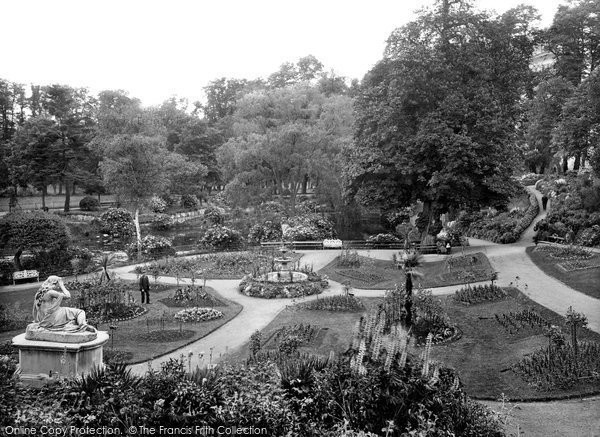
column 257, row 287
column 360, row 275
column 566, row 253
column 479, row 293
column 336, row 303
column 214, row 265
column 515, row 322
column 561, row 367
column 198, row 314
column 571, row 266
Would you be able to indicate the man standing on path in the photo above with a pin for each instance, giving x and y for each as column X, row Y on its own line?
column 145, row 288
column 544, row 201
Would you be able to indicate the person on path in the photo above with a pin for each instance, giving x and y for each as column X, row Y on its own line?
column 145, row 288
column 544, row 201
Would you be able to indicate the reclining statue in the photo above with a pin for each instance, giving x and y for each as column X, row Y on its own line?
column 51, row 322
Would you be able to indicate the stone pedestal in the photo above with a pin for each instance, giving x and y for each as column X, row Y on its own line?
column 43, row 361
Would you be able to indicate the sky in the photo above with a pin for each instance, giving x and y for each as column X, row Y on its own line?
column 157, row 49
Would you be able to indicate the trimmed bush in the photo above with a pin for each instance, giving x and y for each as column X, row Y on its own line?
column 117, row 222
column 190, row 201
column 89, row 203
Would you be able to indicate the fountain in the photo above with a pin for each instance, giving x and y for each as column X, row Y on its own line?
column 284, row 274
column 283, row 281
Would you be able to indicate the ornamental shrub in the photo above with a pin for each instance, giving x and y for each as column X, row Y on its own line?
column 309, row 227
column 89, row 203
column 162, row 222
column 117, row 222
column 214, row 215
column 152, row 247
column 268, row 231
column 157, row 205
column 190, row 201
column 35, row 231
column 220, row 237
column 383, row 238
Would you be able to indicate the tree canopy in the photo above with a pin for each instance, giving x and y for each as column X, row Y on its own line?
column 436, row 116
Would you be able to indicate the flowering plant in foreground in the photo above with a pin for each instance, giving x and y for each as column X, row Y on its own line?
column 198, row 314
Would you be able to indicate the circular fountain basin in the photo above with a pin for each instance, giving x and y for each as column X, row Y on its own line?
column 284, row 276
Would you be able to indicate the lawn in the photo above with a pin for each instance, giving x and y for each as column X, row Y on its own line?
column 585, row 281
column 383, row 274
column 151, row 335
column 483, row 355
column 334, row 329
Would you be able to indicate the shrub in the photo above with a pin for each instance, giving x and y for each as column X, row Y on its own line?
column 505, row 227
column 349, row 259
column 157, row 205
column 117, row 222
column 162, row 222
column 268, row 231
column 89, row 203
column 383, row 238
column 309, row 227
column 214, row 215
column 190, row 201
column 221, row 237
column 152, row 247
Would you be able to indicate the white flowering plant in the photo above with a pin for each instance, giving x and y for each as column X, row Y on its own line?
column 198, row 314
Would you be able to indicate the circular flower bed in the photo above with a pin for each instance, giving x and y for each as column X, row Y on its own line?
column 198, row 314
column 259, row 287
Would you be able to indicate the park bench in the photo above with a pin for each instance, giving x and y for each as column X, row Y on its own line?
column 332, row 243
column 26, row 274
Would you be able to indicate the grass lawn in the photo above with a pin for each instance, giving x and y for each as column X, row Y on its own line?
column 383, row 274
column 148, row 336
column 485, row 353
column 585, row 281
column 335, row 329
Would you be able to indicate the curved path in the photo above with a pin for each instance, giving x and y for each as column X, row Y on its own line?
column 510, row 260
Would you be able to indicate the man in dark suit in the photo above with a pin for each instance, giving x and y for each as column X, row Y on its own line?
column 145, row 288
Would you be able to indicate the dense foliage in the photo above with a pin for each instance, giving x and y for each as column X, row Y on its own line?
column 35, row 231
column 500, row 227
column 436, row 116
column 89, row 203
column 574, row 210
column 221, row 237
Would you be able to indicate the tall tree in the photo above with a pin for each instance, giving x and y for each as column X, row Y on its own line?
column 72, row 110
column 135, row 167
column 542, row 117
column 436, row 117
column 283, row 136
column 574, row 39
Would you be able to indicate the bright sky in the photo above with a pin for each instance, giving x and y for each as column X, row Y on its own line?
column 155, row 49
